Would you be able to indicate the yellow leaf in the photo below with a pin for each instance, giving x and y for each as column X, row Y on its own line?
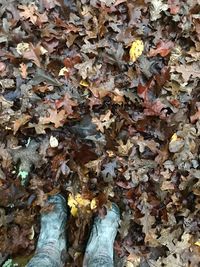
column 174, row 137
column 74, row 211
column 93, row 204
column 77, row 202
column 136, row 50
column 197, row 243
column 84, row 83
column 81, row 201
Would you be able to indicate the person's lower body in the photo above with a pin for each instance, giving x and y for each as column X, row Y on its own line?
column 51, row 246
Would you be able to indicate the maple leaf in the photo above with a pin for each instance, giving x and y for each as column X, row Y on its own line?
column 67, row 104
column 29, row 12
column 55, row 117
column 163, row 48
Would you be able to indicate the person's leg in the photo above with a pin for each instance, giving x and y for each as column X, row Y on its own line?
column 99, row 250
column 51, row 246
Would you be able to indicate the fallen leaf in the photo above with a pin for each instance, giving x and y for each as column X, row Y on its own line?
column 188, row 70
column 84, row 83
column 2, row 66
column 94, row 101
column 23, row 70
column 103, row 121
column 76, row 202
column 67, row 103
column 136, row 50
column 33, row 53
column 55, row 117
column 157, row 6
column 21, row 121
column 196, row 116
column 163, row 48
column 22, row 48
column 29, row 12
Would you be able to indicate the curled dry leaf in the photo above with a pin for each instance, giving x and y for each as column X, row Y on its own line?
column 20, row 122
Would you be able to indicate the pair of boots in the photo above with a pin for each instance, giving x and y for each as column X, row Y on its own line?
column 51, row 246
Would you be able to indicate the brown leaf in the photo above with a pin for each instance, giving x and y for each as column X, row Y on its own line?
column 94, row 101
column 33, row 54
column 23, row 70
column 55, row 117
column 21, row 121
column 196, row 116
column 29, row 12
column 67, row 104
column 187, row 71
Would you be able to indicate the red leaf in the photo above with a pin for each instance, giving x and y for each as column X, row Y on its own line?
column 163, row 48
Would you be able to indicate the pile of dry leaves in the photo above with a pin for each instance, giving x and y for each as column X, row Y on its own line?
column 100, row 100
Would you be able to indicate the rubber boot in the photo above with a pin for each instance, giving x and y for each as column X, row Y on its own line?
column 51, row 246
column 99, row 250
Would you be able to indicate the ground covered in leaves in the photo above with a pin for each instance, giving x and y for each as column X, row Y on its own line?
column 100, row 101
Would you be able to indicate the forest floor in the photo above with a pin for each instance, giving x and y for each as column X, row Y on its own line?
column 100, row 100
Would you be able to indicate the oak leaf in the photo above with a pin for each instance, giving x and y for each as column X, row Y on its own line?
column 163, row 48
column 67, row 103
column 55, row 117
column 21, row 121
column 33, row 53
column 29, row 12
